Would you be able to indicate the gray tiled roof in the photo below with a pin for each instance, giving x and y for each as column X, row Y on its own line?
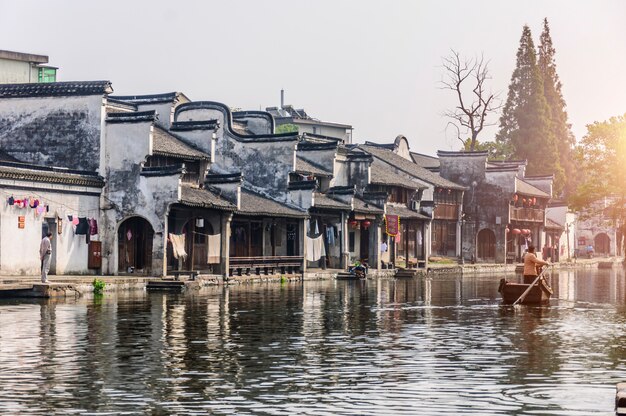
column 259, row 205
column 326, row 202
column 204, row 198
column 410, row 167
column 405, row 213
column 366, row 207
column 306, row 167
column 382, row 174
column 553, row 224
column 132, row 116
column 54, row 89
column 167, row 144
column 148, row 98
column 525, row 188
column 47, row 174
column 425, row 161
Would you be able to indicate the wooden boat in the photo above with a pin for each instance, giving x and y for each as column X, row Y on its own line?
column 540, row 293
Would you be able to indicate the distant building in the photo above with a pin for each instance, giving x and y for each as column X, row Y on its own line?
column 287, row 114
column 18, row 67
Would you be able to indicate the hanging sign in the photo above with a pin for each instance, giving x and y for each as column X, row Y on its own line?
column 392, row 224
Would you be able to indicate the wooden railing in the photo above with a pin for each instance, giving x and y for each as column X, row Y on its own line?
column 446, row 211
column 239, row 266
column 526, row 214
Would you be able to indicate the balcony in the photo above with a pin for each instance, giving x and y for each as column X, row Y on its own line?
column 526, row 214
column 446, row 211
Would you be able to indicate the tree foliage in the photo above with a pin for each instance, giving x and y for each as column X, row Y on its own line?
column 525, row 124
column 286, row 128
column 560, row 128
column 494, row 148
column 602, row 158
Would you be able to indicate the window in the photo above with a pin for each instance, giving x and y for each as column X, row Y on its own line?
column 47, row 74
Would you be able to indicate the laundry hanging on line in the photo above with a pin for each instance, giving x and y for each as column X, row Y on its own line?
column 178, row 246
column 315, row 248
column 330, row 235
column 213, row 255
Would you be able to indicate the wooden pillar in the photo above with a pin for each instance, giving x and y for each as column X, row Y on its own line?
column 343, row 240
column 225, row 243
column 374, row 243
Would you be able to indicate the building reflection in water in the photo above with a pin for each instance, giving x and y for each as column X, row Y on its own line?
column 316, row 343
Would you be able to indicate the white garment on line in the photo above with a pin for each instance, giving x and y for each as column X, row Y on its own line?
column 215, row 242
column 178, row 246
column 315, row 248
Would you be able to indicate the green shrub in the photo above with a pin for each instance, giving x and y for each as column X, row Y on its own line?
column 98, row 286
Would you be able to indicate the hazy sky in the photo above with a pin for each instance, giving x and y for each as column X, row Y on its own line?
column 372, row 64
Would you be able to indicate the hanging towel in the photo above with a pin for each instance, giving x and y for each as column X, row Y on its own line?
column 317, row 230
column 315, row 248
column 215, row 242
column 178, row 246
column 419, row 237
column 93, row 226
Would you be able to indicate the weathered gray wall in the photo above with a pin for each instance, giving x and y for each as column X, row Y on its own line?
column 264, row 161
column 132, row 194
column 53, row 131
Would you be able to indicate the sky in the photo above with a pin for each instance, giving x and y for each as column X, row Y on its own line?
column 373, row 64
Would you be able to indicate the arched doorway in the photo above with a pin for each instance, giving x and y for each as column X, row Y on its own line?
column 602, row 244
column 486, row 245
column 134, row 243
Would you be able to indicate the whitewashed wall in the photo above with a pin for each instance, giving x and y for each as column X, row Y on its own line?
column 19, row 248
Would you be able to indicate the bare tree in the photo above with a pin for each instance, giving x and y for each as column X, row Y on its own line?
column 467, row 78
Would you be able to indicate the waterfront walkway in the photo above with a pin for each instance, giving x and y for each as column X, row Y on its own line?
column 79, row 285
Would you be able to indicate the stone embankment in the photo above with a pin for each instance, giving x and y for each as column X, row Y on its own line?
column 82, row 286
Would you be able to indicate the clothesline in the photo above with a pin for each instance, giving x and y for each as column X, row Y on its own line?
column 48, row 201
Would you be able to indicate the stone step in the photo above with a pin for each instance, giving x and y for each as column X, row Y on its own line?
column 165, row 285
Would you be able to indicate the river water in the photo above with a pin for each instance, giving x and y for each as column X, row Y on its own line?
column 415, row 347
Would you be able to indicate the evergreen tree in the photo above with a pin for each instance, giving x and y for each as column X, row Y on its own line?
column 525, row 125
column 561, row 130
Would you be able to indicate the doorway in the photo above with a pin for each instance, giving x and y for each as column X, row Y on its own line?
column 134, row 239
column 486, row 245
column 602, row 244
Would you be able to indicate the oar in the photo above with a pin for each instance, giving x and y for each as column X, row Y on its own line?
column 527, row 291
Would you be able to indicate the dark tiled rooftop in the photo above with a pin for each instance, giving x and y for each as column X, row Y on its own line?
column 425, row 161
column 258, row 205
column 553, row 224
column 305, row 167
column 365, row 207
column 324, row 201
column 55, row 89
column 405, row 213
column 34, row 173
column 204, row 198
column 525, row 188
column 167, row 144
column 410, row 167
column 132, row 116
column 382, row 175
column 195, row 125
column 147, row 99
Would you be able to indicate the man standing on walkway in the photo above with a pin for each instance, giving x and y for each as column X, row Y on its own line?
column 45, row 252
